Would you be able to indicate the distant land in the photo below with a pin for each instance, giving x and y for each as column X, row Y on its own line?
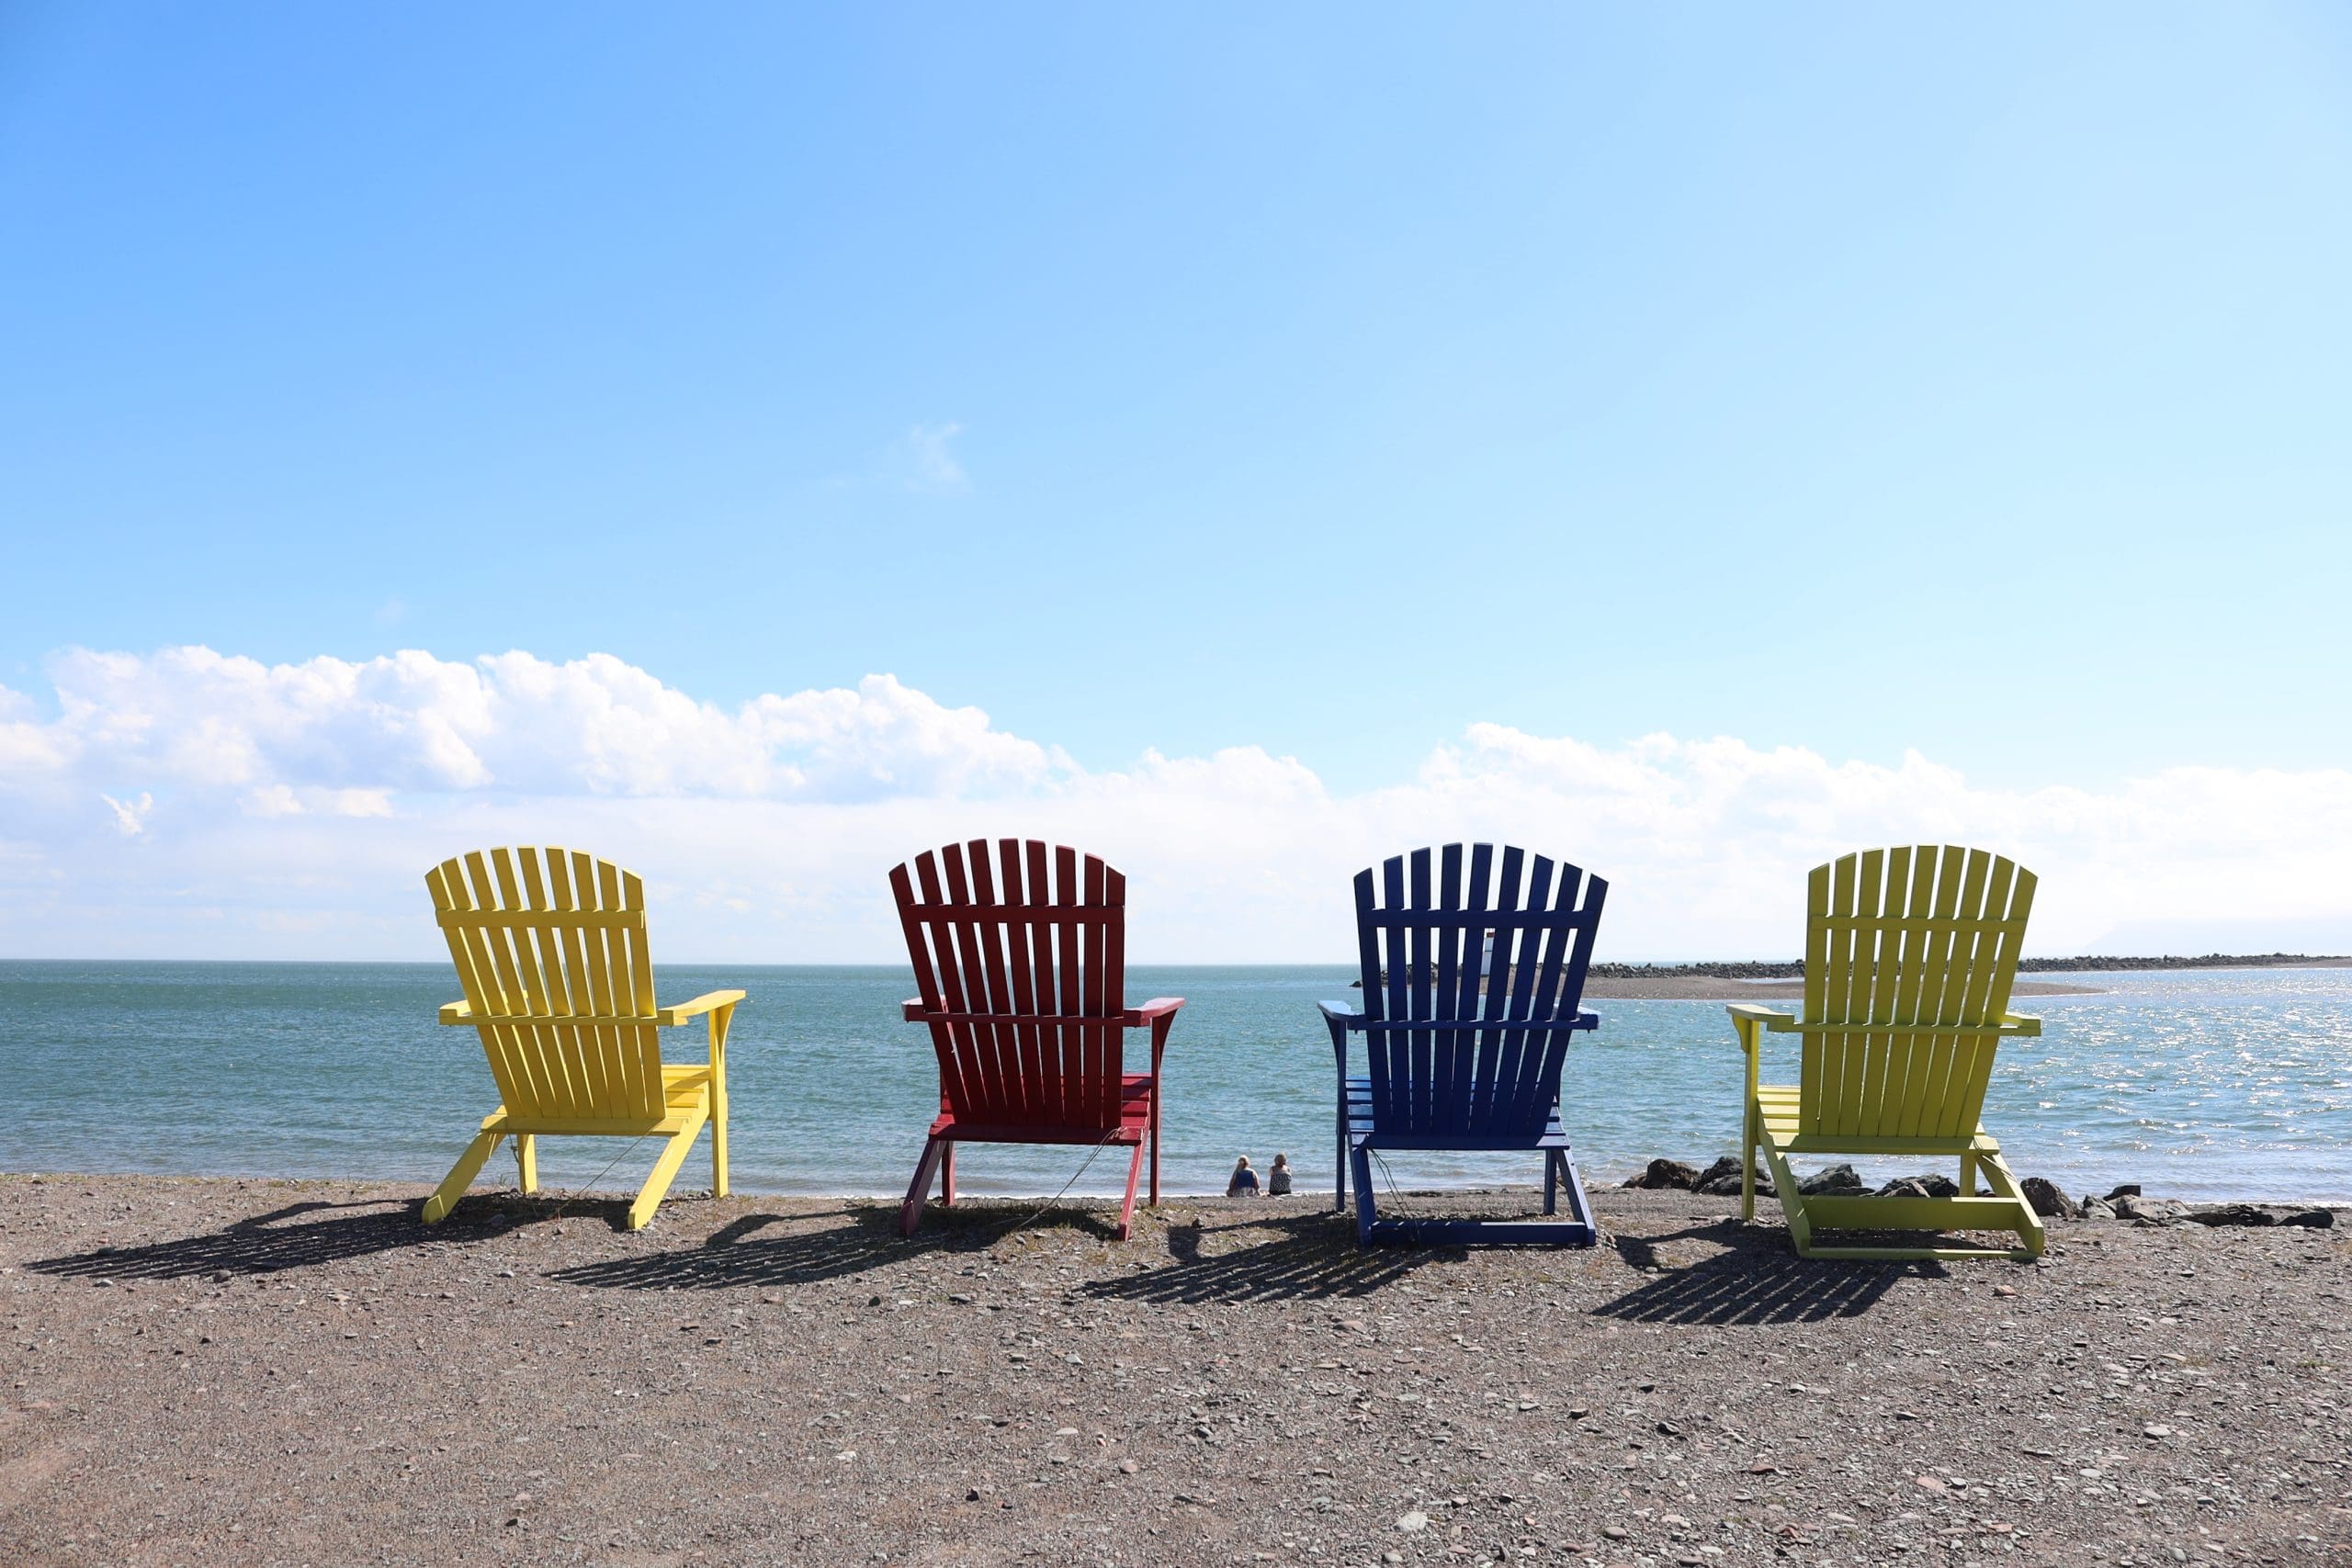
column 1752, row 979
column 1752, row 969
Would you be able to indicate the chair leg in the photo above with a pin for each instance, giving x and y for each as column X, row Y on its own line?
column 1747, row 1165
column 665, row 1170
column 1127, row 1208
column 1968, row 1175
column 947, row 1178
column 1551, row 1182
column 910, row 1212
column 1367, row 1216
column 718, row 1136
column 461, row 1176
column 526, row 1161
column 1339, row 1164
column 1155, row 1149
column 2029, row 1223
column 1572, row 1185
column 1785, row 1183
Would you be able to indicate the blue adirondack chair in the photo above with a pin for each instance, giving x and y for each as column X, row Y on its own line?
column 1464, row 1041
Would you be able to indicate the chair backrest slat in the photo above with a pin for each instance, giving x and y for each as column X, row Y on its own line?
column 540, row 935
column 1924, row 940
column 1422, row 933
column 1030, row 948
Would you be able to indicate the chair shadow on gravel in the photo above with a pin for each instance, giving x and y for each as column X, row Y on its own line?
column 267, row 1244
column 1755, row 1280
column 737, row 1253
column 1307, row 1258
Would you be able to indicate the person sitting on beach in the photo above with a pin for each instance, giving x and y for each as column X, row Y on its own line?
column 1278, row 1178
column 1245, row 1180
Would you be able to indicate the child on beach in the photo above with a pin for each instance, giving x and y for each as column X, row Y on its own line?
column 1245, row 1180
column 1278, row 1178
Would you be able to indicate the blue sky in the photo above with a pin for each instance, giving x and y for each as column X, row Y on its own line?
column 1319, row 380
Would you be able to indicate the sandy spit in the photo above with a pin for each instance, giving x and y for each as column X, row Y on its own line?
column 1713, row 988
column 218, row 1372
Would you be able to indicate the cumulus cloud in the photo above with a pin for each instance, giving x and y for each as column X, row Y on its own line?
column 411, row 724
column 254, row 809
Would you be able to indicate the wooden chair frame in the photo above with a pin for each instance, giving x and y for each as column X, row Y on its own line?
column 1911, row 955
column 1022, row 968
column 1462, row 1053
column 550, row 951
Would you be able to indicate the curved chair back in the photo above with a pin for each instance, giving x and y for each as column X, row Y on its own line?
column 541, row 933
column 1021, row 962
column 1498, row 1017
column 1923, row 940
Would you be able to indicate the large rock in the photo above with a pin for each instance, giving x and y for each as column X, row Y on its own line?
column 2312, row 1219
column 2128, row 1189
column 1721, row 1179
column 1927, row 1184
column 1838, row 1180
column 1672, row 1173
column 2232, row 1214
column 2150, row 1211
column 2096, row 1208
column 2045, row 1200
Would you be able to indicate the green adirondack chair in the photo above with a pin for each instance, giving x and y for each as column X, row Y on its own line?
column 1910, row 954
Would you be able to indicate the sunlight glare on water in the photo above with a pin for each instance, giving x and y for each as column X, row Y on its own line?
column 2199, row 1085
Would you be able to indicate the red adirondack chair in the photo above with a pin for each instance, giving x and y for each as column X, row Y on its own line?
column 1021, row 975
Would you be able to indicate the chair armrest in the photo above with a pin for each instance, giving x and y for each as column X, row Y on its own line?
column 2019, row 1024
column 708, row 1001
column 456, row 1012
column 1151, row 1011
column 1341, row 1015
column 913, row 1010
column 1773, row 1019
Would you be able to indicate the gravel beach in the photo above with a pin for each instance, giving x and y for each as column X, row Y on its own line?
column 207, row 1371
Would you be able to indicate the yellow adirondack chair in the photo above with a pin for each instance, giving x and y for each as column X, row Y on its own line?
column 1909, row 957
column 551, row 951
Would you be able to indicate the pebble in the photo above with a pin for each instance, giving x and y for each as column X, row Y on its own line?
column 1414, row 1522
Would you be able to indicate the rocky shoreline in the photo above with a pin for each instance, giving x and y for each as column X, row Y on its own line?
column 2124, row 1202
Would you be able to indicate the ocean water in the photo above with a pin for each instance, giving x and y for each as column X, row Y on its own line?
column 2200, row 1085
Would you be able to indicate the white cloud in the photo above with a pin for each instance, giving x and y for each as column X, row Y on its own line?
column 937, row 470
column 292, row 810
column 131, row 816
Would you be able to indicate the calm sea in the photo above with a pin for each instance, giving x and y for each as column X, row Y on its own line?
column 2210, row 1084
